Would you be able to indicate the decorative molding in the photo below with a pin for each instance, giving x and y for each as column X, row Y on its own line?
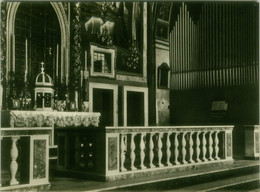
column 65, row 38
column 76, row 47
column 164, row 45
column 3, row 41
column 104, row 86
column 145, row 41
column 153, row 129
column 164, row 10
column 94, row 49
column 65, row 6
column 135, row 89
column 3, row 103
column 63, row 20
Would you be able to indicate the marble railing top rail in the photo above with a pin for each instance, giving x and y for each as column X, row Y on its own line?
column 50, row 118
column 22, row 131
column 140, row 129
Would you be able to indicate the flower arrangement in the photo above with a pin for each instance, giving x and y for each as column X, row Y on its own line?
column 60, row 105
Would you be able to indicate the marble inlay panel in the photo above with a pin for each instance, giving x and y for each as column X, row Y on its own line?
column 229, row 144
column 112, row 153
column 257, row 142
column 39, row 159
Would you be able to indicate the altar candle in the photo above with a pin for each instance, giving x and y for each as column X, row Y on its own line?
column 57, row 61
column 26, row 56
column 86, row 57
column 13, row 54
column 76, row 99
column 67, row 53
column 67, row 79
column 26, row 60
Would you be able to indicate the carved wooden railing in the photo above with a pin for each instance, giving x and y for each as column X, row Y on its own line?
column 139, row 149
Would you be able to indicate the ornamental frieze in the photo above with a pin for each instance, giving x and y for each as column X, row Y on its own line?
column 51, row 118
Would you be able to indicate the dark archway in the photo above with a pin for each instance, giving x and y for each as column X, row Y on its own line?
column 37, row 36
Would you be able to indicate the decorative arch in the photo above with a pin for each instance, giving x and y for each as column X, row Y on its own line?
column 161, row 14
column 10, row 38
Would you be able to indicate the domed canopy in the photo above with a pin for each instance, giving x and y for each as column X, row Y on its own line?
column 43, row 79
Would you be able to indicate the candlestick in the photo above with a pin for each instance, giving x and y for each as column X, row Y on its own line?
column 81, row 78
column 25, row 77
column 26, row 55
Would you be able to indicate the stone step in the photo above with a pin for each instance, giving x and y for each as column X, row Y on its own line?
column 192, row 179
column 161, row 182
column 232, row 183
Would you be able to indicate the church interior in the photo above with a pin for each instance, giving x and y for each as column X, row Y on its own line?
column 115, row 92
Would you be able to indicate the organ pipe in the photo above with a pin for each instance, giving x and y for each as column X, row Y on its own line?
column 218, row 50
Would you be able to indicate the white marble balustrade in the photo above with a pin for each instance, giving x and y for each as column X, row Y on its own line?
column 144, row 148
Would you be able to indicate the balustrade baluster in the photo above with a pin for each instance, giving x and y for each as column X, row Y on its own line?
column 204, row 149
column 132, row 154
column 160, row 149
column 123, row 151
column 151, row 154
column 168, row 149
column 216, row 145
column 176, row 150
column 191, row 148
column 142, row 148
column 198, row 147
column 14, row 165
column 210, row 146
column 183, row 149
